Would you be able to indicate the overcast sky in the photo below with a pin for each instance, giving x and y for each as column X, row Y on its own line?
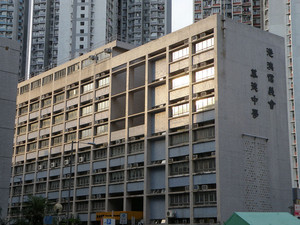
column 182, row 14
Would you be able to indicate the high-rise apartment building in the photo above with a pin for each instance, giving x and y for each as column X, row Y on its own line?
column 187, row 129
column 9, row 53
column 63, row 30
column 14, row 25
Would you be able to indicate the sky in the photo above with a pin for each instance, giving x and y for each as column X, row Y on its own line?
column 182, row 14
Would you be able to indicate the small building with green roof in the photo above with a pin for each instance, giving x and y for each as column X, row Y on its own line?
column 262, row 218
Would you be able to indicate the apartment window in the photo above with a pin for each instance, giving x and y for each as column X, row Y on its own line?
column 136, row 147
column 103, row 82
column 102, row 105
column 205, row 198
column 22, row 130
column 101, row 129
column 82, row 8
column 24, row 89
column 59, row 74
column 117, row 177
column 35, row 84
column 54, row 185
column 20, row 149
column 82, row 206
column 30, row 167
column 204, row 134
column 205, row 103
column 72, row 93
column 33, row 126
column 23, row 110
column 180, row 82
column 82, row 15
column 87, row 87
column 136, row 174
column 179, row 54
column 203, row 45
column 56, row 140
column 59, row 98
column 83, row 181
column 31, row 146
column 72, row 115
column 44, row 143
column 180, row 110
column 81, row 38
column 179, row 168
column 181, row 138
column 70, row 137
column 205, row 74
column 34, row 106
column 205, row 166
column 81, row 31
column 85, row 133
column 98, row 205
column 99, row 179
column 179, row 199
column 82, row 24
column 45, row 123
column 86, row 110
column 117, row 150
column 19, row 169
column 100, row 154
column 58, row 119
column 73, row 68
column 46, row 102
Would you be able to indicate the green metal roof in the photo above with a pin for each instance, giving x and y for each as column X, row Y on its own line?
column 262, row 218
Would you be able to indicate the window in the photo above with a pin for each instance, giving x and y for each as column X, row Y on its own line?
column 117, row 150
column 102, row 105
column 205, row 166
column 46, row 102
column 33, row 126
column 103, row 82
column 82, row 24
column 86, row 110
column 204, row 134
column 98, row 205
column 86, row 133
column 72, row 115
column 203, row 45
column 205, row 74
column 180, row 82
column 59, row 74
column 44, row 143
column 31, row 146
column 45, row 123
column 34, row 106
column 70, row 137
column 24, row 89
column 179, row 54
column 72, row 93
column 101, row 129
column 100, row 154
column 117, row 177
column 23, row 110
column 179, row 168
column 99, row 179
column 81, row 38
column 20, row 149
column 59, row 97
column 179, row 199
column 54, row 185
column 136, row 147
column 83, row 181
column 58, row 119
column 82, row 15
column 81, row 46
column 180, row 110
column 177, row 139
column 22, row 130
column 87, row 87
column 56, row 140
column 136, row 174
column 205, row 198
column 35, row 84
column 73, row 68
column 205, row 103
column 82, row 8
column 81, row 31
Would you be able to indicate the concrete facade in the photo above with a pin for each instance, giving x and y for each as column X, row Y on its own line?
column 188, row 128
column 9, row 53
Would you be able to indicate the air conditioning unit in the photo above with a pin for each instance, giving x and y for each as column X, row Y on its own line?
column 40, row 167
column 53, row 164
column 171, row 213
column 203, row 93
column 107, row 50
column 81, row 159
column 66, row 162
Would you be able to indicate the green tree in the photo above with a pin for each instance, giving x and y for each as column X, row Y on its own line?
column 35, row 209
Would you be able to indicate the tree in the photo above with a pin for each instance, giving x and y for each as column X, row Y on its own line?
column 35, row 209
